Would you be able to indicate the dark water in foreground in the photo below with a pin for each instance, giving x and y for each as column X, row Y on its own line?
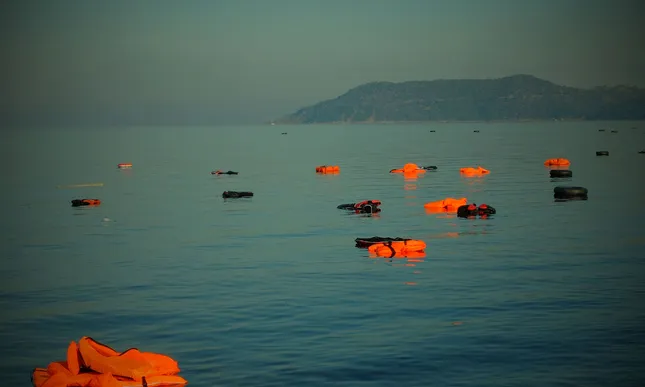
column 270, row 291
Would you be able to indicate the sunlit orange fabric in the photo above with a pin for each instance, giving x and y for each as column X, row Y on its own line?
column 474, row 171
column 446, row 205
column 413, row 175
column 557, row 162
column 92, row 364
column 73, row 358
column 328, row 169
column 399, row 246
column 409, row 168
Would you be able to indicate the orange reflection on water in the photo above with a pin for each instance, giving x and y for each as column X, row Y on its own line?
column 475, row 179
column 407, row 254
column 439, row 210
column 442, row 212
column 445, row 235
column 408, row 259
column 409, row 187
column 330, row 173
column 411, row 175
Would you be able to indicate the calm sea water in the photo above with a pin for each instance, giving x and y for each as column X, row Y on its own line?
column 270, row 291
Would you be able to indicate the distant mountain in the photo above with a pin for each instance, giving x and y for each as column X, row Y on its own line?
column 517, row 97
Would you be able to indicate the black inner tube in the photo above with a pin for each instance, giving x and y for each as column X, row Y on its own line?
column 236, row 194
column 562, row 192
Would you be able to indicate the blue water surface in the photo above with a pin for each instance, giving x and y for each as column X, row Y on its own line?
column 270, row 290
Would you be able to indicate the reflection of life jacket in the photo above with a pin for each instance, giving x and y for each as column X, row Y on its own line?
column 364, row 207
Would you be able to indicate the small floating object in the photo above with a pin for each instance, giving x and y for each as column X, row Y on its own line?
column 601, row 130
column 430, row 168
column 124, row 165
column 284, row 132
column 641, row 152
column 476, row 131
column 557, row 162
column 90, row 363
column 85, row 202
column 236, row 194
column 472, row 210
column 364, row 207
column 218, row 172
column 80, row 185
column 614, row 131
column 566, row 192
column 602, row 153
column 560, row 173
column 432, row 131
column 474, row 171
column 328, row 169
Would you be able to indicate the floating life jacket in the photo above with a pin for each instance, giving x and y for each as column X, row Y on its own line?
column 328, row 169
column 92, row 364
column 85, row 202
column 364, row 207
column 410, row 168
column 474, row 171
column 446, row 205
column 471, row 210
column 557, row 162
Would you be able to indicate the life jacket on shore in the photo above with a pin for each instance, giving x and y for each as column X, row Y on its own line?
column 92, row 364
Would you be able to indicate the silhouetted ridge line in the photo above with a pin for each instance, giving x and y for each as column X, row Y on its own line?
column 517, row 97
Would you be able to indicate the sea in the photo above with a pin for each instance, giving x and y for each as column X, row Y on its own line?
column 271, row 290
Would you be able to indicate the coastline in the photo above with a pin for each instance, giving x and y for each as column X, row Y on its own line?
column 522, row 121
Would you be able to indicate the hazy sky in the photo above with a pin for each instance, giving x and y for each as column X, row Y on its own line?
column 246, row 61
